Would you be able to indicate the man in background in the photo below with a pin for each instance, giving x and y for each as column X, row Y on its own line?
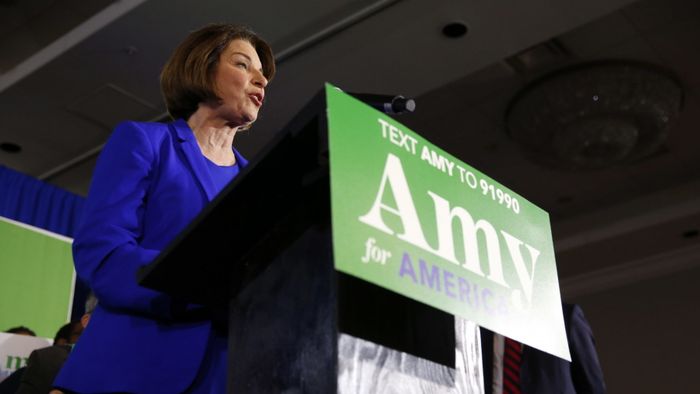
column 43, row 364
column 21, row 330
column 11, row 383
column 530, row 371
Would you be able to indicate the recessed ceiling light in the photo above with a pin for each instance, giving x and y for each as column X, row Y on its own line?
column 454, row 29
column 10, row 147
column 691, row 233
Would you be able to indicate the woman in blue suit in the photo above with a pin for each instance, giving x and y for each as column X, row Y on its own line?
column 150, row 181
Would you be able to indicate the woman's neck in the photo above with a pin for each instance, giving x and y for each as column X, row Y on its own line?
column 214, row 136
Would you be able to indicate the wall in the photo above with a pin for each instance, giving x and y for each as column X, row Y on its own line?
column 648, row 333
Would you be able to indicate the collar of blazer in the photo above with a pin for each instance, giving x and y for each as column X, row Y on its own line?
column 196, row 159
column 194, row 156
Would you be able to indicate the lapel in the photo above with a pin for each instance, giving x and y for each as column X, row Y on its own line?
column 194, row 156
column 240, row 160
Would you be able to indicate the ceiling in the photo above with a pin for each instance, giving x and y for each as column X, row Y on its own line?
column 71, row 69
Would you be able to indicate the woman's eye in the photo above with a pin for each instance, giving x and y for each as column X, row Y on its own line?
column 242, row 65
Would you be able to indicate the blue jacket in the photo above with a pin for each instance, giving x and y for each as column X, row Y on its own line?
column 150, row 181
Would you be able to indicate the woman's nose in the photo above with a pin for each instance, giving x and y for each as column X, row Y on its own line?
column 259, row 79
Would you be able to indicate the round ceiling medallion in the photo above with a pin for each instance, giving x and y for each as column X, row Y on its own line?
column 595, row 115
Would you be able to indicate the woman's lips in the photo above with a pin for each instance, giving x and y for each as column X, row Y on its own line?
column 256, row 98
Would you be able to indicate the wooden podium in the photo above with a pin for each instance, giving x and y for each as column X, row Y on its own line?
column 262, row 251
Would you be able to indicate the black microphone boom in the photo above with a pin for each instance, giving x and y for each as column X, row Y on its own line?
column 388, row 104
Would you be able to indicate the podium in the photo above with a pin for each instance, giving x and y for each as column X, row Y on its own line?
column 263, row 252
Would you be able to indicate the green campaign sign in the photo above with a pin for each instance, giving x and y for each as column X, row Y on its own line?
column 411, row 218
column 36, row 278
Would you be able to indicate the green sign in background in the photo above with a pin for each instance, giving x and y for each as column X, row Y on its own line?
column 389, row 189
column 36, row 278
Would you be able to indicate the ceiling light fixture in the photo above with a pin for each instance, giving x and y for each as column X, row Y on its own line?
column 595, row 115
column 10, row 147
column 691, row 233
column 454, row 30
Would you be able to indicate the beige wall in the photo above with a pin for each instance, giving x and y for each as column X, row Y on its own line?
column 648, row 333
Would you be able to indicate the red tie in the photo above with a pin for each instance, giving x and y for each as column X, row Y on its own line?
column 512, row 358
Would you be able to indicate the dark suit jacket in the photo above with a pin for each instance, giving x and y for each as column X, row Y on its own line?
column 42, row 367
column 542, row 373
column 150, row 181
column 11, row 383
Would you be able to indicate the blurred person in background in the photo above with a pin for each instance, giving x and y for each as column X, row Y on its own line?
column 43, row 364
column 21, row 330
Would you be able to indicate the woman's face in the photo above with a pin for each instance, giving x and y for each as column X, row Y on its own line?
column 240, row 83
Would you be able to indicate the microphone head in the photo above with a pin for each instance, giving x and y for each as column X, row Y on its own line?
column 393, row 105
column 400, row 105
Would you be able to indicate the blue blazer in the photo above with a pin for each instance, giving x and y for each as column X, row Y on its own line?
column 150, row 181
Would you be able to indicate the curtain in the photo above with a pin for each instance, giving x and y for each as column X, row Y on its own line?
column 31, row 201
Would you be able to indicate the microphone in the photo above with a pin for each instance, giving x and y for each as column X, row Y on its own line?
column 392, row 105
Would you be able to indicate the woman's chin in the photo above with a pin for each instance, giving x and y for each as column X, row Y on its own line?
column 241, row 120
column 248, row 119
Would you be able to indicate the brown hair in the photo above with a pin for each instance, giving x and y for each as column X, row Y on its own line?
column 187, row 78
